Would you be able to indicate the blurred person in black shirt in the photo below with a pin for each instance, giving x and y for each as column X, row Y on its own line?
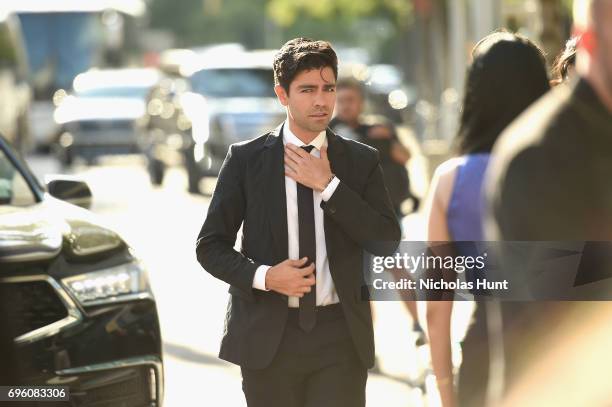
column 348, row 123
column 382, row 136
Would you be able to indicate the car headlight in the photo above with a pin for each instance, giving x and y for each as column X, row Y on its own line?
column 121, row 283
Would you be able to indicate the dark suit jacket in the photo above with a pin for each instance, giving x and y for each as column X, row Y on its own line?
column 251, row 191
column 396, row 175
column 550, row 180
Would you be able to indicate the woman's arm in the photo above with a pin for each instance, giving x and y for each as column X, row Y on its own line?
column 439, row 312
column 438, row 327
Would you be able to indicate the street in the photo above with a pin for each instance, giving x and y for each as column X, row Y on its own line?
column 161, row 224
column 481, row 115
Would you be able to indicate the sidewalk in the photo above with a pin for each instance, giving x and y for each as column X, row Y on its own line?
column 197, row 379
column 194, row 375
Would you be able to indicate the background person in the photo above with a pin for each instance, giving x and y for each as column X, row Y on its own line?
column 349, row 123
column 506, row 76
column 549, row 181
column 394, row 156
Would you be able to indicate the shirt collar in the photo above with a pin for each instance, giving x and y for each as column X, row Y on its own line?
column 289, row 137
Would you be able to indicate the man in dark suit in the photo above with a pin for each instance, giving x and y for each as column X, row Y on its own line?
column 550, row 173
column 309, row 202
column 549, row 180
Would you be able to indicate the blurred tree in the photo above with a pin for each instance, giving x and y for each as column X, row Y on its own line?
column 555, row 26
column 201, row 22
column 286, row 13
column 392, row 31
column 377, row 25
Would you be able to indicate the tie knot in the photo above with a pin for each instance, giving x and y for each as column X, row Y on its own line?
column 307, row 148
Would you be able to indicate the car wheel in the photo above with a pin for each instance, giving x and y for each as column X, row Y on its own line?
column 66, row 157
column 193, row 180
column 193, row 174
column 156, row 171
column 23, row 133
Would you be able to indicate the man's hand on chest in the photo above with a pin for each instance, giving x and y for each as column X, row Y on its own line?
column 306, row 169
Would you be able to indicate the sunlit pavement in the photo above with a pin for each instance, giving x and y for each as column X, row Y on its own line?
column 161, row 224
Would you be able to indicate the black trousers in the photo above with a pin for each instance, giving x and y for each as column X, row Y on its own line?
column 316, row 369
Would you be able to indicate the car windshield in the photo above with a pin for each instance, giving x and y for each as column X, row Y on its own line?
column 234, row 82
column 14, row 189
column 115, row 92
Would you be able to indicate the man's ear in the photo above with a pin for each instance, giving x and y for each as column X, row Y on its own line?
column 282, row 95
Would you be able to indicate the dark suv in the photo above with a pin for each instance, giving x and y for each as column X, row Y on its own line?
column 79, row 304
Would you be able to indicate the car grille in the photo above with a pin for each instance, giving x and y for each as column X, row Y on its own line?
column 31, row 305
column 119, row 388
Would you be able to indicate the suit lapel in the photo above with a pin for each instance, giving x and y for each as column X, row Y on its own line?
column 336, row 151
column 274, row 194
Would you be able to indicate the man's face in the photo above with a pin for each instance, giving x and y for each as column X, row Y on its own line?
column 349, row 105
column 311, row 98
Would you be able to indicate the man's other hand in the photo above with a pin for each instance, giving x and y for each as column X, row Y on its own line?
column 291, row 277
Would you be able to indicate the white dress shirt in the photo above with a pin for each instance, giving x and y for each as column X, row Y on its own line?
column 326, row 291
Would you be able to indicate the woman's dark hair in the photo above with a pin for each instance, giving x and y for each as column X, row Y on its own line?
column 302, row 54
column 565, row 60
column 508, row 73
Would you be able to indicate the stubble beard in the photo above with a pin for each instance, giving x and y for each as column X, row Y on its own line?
column 313, row 126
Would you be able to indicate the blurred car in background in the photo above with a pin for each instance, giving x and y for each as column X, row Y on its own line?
column 218, row 98
column 176, row 61
column 82, row 310
column 99, row 116
column 15, row 91
column 66, row 37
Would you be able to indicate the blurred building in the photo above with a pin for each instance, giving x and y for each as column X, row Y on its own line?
column 445, row 32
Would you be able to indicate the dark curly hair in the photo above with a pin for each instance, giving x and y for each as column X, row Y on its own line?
column 564, row 61
column 302, row 54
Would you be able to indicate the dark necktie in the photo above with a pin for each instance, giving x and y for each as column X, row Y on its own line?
column 308, row 244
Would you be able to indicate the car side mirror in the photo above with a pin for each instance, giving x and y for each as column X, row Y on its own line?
column 70, row 189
